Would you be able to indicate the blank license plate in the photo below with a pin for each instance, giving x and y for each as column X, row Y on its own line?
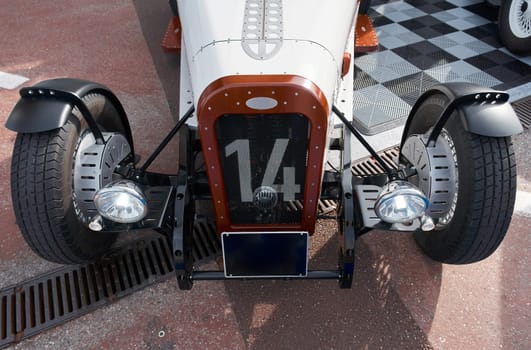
column 265, row 254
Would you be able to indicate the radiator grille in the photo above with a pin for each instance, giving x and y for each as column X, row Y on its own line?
column 263, row 160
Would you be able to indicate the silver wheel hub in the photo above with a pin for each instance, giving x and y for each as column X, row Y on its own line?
column 437, row 173
column 94, row 167
column 520, row 18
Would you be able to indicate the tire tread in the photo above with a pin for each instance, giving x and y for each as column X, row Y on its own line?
column 41, row 193
column 493, row 203
column 486, row 190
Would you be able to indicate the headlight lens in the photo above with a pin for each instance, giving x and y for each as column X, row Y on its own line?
column 400, row 202
column 121, row 201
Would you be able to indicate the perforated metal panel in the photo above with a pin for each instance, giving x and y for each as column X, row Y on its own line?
column 262, row 28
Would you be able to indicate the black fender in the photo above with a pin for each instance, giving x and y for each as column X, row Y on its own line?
column 481, row 110
column 48, row 104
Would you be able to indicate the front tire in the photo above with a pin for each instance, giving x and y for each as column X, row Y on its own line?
column 485, row 190
column 42, row 188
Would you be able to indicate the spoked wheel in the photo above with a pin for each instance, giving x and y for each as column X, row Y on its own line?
column 471, row 183
column 54, row 176
column 514, row 22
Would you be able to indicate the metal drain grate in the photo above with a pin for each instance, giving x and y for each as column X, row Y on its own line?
column 61, row 295
column 326, row 206
column 369, row 166
column 72, row 291
column 207, row 243
column 523, row 111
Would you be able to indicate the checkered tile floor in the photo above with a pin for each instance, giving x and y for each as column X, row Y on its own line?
column 426, row 42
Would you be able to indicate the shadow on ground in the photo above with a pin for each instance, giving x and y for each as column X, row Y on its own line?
column 316, row 314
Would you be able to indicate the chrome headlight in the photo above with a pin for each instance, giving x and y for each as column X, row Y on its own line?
column 400, row 202
column 121, row 201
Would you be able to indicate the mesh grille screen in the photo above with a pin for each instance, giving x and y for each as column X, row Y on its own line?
column 263, row 160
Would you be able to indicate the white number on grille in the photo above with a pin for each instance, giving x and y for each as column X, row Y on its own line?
column 242, row 149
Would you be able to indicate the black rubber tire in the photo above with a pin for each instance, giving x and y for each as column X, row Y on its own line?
column 41, row 188
column 512, row 42
column 486, row 191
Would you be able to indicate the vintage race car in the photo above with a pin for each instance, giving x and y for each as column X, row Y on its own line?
column 265, row 132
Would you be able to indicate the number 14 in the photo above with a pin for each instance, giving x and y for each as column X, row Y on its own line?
column 242, row 149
